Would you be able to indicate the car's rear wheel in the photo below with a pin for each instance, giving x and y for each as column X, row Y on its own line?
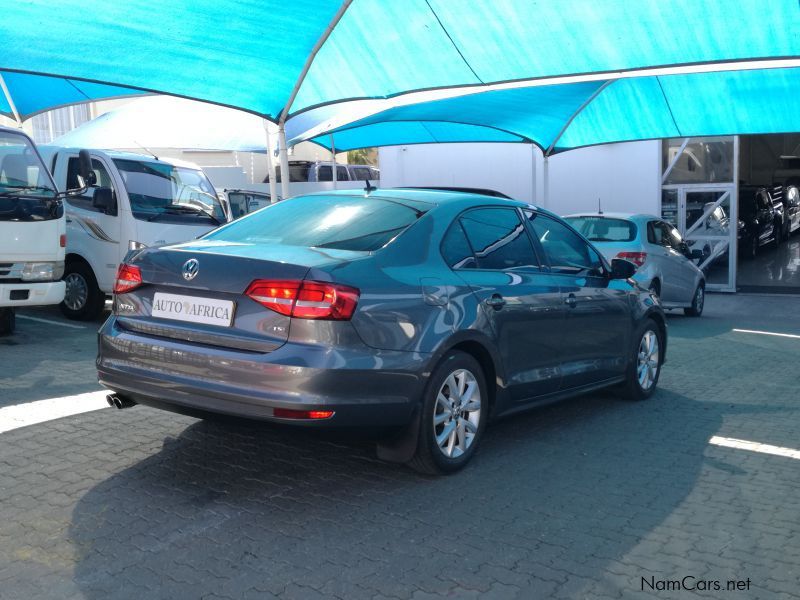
column 644, row 367
column 454, row 413
column 698, row 301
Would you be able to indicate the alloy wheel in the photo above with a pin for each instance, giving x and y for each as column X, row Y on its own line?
column 76, row 292
column 648, row 360
column 457, row 414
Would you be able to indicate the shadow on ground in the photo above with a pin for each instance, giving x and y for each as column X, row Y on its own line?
column 551, row 506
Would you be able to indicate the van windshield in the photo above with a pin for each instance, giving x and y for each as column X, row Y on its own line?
column 27, row 192
column 160, row 191
column 354, row 223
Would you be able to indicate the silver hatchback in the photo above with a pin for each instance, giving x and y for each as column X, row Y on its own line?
column 663, row 260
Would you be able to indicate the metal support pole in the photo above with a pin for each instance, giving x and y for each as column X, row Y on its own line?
column 335, row 175
column 10, row 101
column 546, row 181
column 273, row 186
column 283, row 155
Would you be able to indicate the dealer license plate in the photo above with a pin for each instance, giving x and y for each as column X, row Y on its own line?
column 193, row 309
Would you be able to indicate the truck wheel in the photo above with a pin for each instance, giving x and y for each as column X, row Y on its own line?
column 83, row 300
column 7, row 321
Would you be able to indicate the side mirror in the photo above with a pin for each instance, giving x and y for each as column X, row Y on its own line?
column 105, row 200
column 622, row 269
column 85, row 170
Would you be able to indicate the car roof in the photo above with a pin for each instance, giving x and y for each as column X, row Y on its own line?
column 617, row 215
column 433, row 197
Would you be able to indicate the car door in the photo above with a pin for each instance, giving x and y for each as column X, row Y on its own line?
column 521, row 302
column 658, row 252
column 93, row 233
column 595, row 339
column 681, row 272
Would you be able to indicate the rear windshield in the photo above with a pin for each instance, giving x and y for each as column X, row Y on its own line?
column 336, row 222
column 604, row 229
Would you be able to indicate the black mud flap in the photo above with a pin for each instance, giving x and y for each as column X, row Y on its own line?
column 400, row 448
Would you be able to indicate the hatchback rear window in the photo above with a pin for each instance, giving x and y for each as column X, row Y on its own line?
column 336, row 222
column 604, row 229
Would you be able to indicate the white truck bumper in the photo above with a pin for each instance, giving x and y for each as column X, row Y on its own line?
column 31, row 294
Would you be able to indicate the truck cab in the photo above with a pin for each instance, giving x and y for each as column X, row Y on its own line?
column 32, row 229
column 135, row 201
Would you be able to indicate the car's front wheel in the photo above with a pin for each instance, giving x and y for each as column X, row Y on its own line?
column 454, row 413
column 644, row 367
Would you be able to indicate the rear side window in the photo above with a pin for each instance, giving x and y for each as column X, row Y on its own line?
column 604, row 229
column 565, row 250
column 456, row 250
column 338, row 222
column 498, row 239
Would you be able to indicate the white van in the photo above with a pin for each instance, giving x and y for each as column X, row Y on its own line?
column 32, row 227
column 134, row 201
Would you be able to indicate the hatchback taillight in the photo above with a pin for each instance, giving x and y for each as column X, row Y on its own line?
column 129, row 277
column 305, row 299
column 636, row 258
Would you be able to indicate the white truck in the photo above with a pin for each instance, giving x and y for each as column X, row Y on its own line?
column 32, row 226
column 133, row 201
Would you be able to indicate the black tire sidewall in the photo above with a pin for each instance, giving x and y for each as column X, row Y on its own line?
column 8, row 321
column 427, row 442
column 95, row 299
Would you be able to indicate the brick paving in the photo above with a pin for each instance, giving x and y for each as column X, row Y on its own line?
column 582, row 499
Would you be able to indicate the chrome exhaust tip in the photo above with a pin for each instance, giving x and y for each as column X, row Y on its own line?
column 120, row 403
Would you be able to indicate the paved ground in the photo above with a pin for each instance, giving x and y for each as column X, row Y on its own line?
column 592, row 498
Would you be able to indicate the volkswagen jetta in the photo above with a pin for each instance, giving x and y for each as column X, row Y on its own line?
column 422, row 312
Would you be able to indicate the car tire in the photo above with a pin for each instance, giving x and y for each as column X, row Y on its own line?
column 634, row 387
column 698, row 301
column 8, row 321
column 83, row 300
column 439, row 452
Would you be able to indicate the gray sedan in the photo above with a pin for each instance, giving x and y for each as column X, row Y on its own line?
column 663, row 260
column 422, row 312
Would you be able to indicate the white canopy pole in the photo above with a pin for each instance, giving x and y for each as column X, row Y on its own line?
column 273, row 186
column 283, row 156
column 546, row 182
column 335, row 175
column 10, row 100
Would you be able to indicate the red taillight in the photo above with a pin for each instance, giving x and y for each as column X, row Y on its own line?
column 288, row 413
column 129, row 277
column 62, row 240
column 306, row 299
column 636, row 258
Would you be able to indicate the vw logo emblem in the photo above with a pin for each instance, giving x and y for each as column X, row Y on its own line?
column 190, row 269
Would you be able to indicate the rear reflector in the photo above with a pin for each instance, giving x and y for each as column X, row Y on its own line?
column 62, row 240
column 636, row 258
column 129, row 277
column 305, row 299
column 288, row 413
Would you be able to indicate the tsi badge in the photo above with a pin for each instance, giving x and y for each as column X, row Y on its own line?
column 190, row 269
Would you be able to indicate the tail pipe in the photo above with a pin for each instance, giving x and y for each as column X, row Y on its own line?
column 119, row 402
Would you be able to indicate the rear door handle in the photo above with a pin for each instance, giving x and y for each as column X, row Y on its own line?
column 496, row 301
column 571, row 301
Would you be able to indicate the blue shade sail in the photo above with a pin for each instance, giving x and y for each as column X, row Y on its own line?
column 566, row 116
column 249, row 54
column 33, row 94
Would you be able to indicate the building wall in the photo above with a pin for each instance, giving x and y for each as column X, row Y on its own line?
column 626, row 177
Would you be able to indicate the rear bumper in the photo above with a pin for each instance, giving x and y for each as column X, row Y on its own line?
column 363, row 386
column 31, row 294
